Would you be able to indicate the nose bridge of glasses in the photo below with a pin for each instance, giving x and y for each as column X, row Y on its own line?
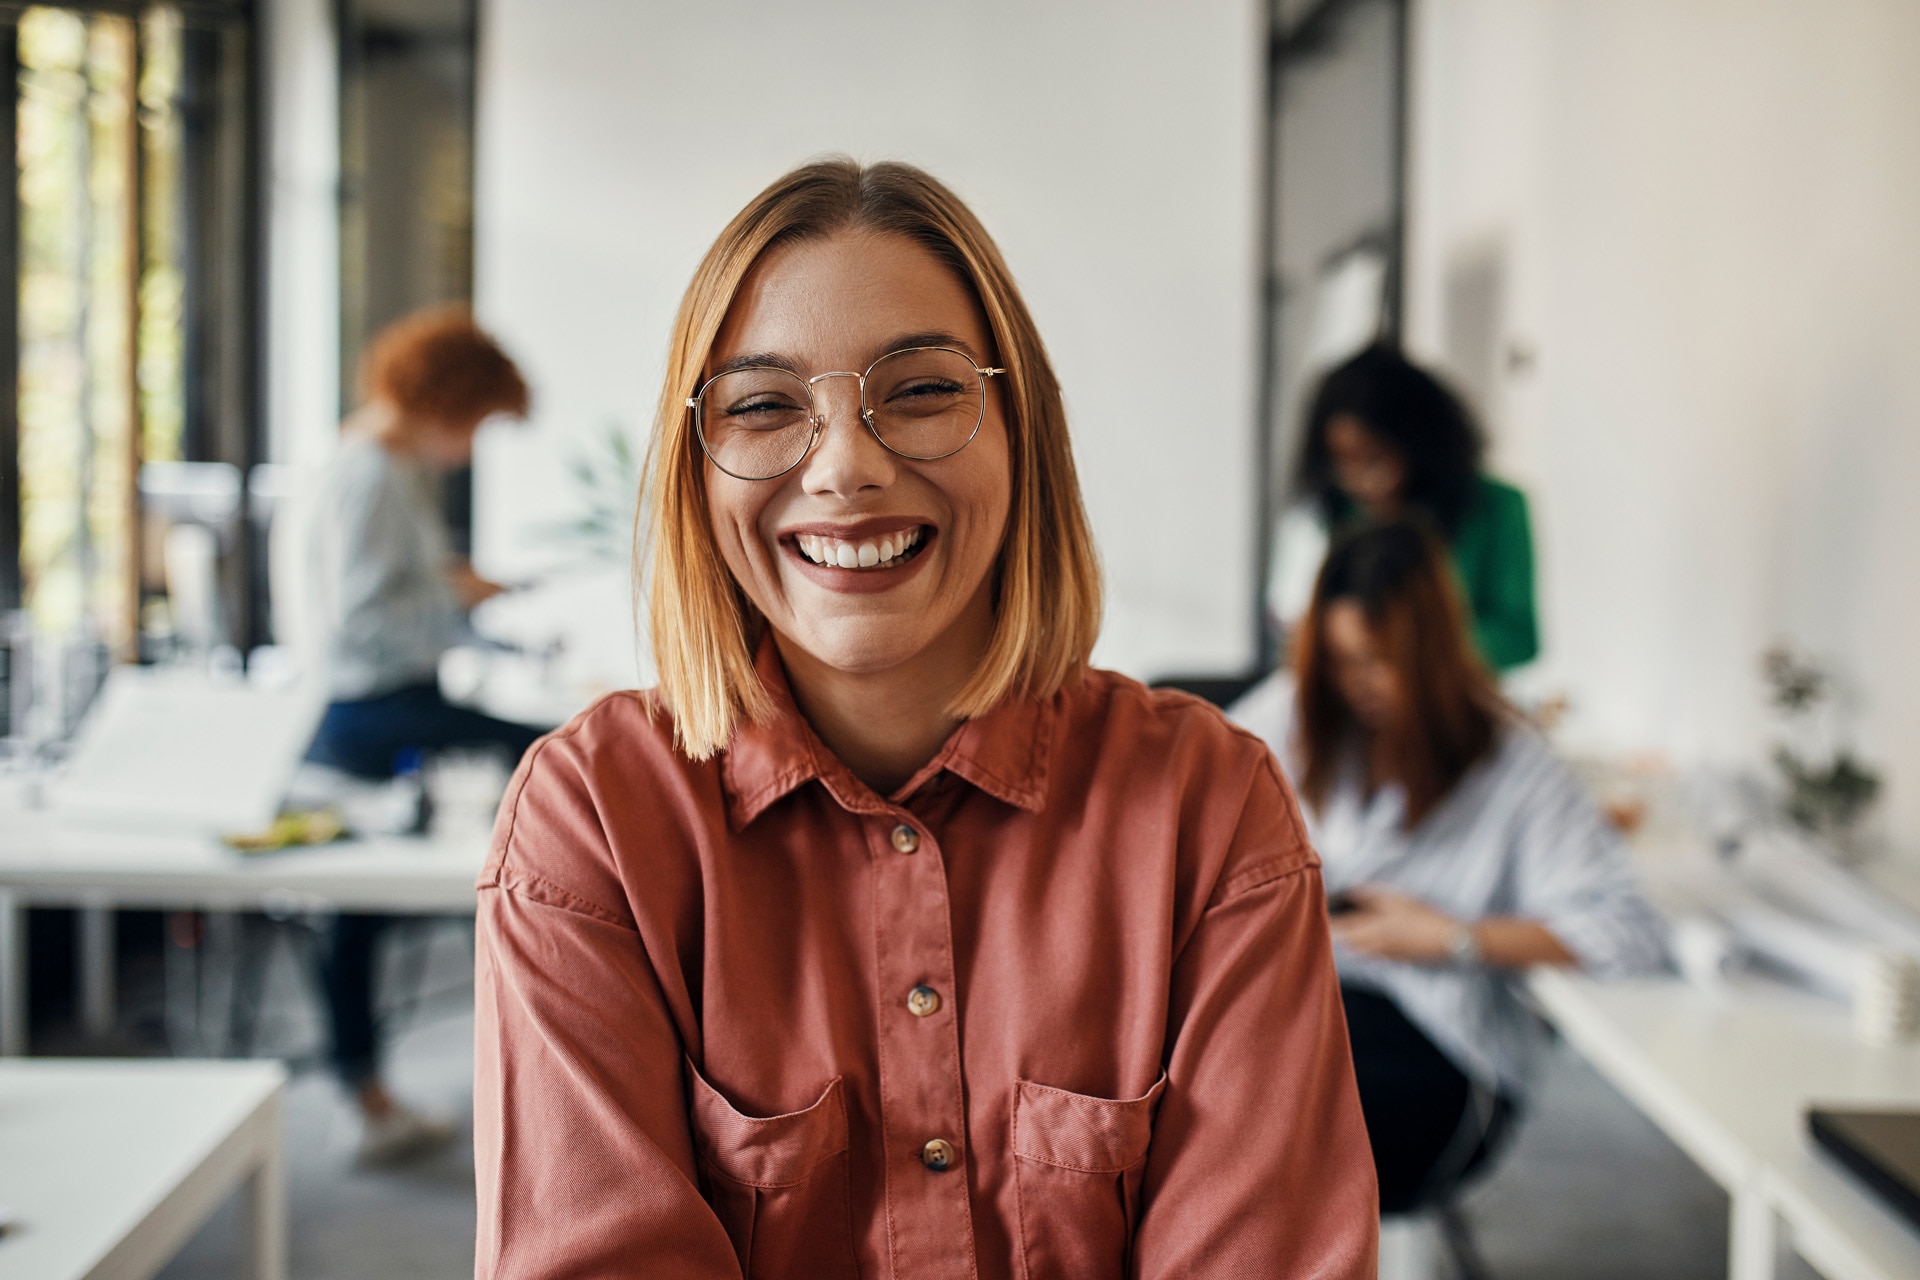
column 820, row 399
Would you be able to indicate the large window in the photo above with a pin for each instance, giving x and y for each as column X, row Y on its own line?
column 406, row 179
column 130, row 327
column 1334, row 209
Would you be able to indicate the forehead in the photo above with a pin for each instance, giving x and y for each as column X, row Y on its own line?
column 1345, row 431
column 846, row 299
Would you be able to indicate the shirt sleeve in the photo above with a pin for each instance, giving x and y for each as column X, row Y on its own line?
column 1572, row 873
column 1260, row 1164
column 583, row 1153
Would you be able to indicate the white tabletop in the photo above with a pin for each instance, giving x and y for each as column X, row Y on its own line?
column 47, row 859
column 108, row 1167
column 1729, row 1074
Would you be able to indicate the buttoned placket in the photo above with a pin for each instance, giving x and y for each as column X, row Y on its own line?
column 923, row 1110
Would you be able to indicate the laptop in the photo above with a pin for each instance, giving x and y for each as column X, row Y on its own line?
column 1881, row 1147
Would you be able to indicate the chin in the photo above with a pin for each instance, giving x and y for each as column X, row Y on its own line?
column 859, row 647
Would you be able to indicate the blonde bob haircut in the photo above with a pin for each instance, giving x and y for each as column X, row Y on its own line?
column 1047, row 578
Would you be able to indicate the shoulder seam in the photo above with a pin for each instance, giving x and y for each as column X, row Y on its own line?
column 547, row 893
column 513, row 813
column 1299, row 858
column 504, row 870
column 1257, row 876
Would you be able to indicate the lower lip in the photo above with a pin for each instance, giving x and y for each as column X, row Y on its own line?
column 858, row 581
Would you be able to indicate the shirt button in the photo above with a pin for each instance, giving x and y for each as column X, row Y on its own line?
column 923, row 1001
column 938, row 1155
column 905, row 838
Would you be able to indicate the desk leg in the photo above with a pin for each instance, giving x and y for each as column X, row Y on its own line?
column 96, row 963
column 1752, row 1243
column 13, row 975
column 263, row 1203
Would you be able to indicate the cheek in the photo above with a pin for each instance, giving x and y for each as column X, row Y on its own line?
column 993, row 489
column 734, row 508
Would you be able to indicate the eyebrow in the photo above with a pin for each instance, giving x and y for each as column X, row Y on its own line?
column 773, row 359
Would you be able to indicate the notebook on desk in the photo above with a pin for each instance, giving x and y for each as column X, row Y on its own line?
column 174, row 750
column 1881, row 1147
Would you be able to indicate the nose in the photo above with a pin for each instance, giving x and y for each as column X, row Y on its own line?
column 847, row 457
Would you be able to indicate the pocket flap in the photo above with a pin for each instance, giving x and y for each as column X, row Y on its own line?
column 777, row 1151
column 1074, row 1131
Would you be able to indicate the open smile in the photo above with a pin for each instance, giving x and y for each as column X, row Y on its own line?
column 858, row 560
column 888, row 552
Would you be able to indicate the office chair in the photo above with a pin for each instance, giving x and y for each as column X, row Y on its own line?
column 1437, row 1224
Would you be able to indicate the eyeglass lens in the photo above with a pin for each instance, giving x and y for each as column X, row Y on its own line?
column 924, row 403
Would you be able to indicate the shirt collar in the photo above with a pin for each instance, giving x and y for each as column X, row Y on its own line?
column 1003, row 753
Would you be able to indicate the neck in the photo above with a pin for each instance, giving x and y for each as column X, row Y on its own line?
column 386, row 426
column 1382, row 761
column 376, row 420
column 885, row 725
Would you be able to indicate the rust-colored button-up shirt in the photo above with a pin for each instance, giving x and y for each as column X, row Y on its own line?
column 1063, row 1006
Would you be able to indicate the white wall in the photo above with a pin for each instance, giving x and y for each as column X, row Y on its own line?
column 1706, row 215
column 1112, row 152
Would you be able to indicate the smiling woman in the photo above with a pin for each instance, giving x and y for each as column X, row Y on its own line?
column 873, row 242
column 886, row 937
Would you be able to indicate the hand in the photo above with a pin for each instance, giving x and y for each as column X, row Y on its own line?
column 469, row 586
column 1393, row 926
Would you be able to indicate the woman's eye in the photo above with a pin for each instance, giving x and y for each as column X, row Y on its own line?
column 926, row 387
column 761, row 407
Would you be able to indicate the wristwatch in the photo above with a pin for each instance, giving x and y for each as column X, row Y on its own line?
column 1463, row 948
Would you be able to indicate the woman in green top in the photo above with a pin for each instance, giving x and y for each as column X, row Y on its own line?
column 1384, row 438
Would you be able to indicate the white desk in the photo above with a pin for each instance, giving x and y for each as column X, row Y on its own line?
column 1728, row 1076
column 44, row 861
column 111, row 1166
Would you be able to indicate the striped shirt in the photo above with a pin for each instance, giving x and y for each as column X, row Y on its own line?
column 1517, row 836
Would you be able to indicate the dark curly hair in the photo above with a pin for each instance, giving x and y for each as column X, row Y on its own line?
column 1415, row 415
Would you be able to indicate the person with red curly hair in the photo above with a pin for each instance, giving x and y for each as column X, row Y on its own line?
column 391, row 599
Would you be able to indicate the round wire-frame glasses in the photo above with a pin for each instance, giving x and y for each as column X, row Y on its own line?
column 758, row 422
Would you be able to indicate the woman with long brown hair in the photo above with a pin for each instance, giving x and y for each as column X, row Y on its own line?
column 1458, row 851
column 886, row 937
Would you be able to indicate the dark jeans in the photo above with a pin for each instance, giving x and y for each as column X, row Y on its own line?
column 363, row 738
column 1429, row 1126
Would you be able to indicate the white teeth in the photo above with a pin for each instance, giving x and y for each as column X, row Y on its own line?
column 857, row 555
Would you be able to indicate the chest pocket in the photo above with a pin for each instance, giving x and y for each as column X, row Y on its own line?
column 1078, row 1162
column 778, row 1184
